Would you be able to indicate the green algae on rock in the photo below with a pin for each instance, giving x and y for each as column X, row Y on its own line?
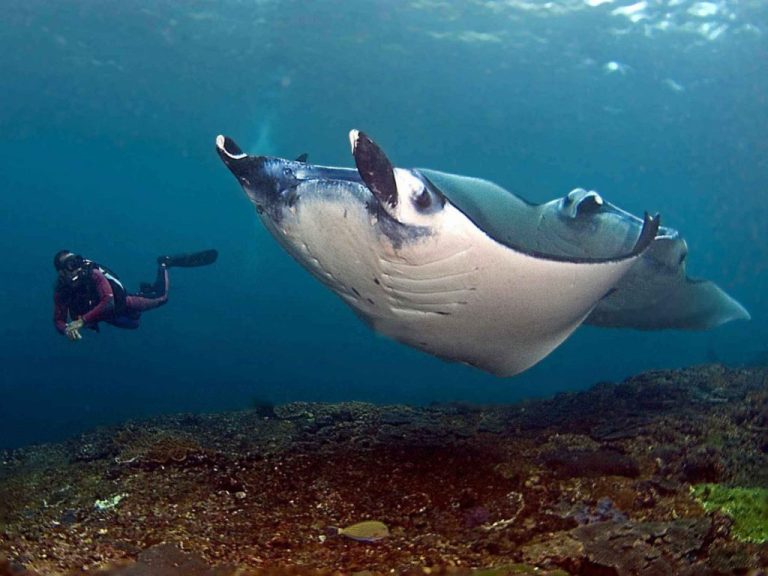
column 747, row 507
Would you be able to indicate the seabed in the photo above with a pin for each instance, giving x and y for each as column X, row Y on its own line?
column 665, row 473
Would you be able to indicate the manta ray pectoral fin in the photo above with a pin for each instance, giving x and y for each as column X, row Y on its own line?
column 375, row 168
column 238, row 162
column 647, row 301
column 227, row 148
column 657, row 294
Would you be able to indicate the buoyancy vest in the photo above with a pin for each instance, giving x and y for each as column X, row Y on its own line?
column 84, row 296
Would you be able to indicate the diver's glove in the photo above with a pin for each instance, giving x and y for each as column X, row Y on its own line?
column 73, row 329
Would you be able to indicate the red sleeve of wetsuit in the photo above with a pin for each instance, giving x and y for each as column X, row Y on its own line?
column 59, row 313
column 106, row 299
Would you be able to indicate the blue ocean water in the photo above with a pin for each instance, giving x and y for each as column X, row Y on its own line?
column 109, row 112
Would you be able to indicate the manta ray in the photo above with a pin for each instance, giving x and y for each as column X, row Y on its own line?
column 465, row 270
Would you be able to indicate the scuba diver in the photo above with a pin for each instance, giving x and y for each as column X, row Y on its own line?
column 87, row 293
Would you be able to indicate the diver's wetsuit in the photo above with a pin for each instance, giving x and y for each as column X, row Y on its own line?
column 100, row 300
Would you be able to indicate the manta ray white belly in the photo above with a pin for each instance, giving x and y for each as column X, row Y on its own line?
column 452, row 292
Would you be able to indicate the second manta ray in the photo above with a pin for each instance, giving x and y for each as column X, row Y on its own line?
column 460, row 268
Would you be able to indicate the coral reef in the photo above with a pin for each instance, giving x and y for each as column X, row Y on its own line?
column 660, row 474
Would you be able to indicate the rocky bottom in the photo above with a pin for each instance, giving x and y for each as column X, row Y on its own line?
column 665, row 473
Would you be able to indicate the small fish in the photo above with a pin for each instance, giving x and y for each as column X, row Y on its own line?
column 368, row 531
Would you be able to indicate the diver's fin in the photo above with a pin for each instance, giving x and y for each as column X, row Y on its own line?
column 190, row 260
